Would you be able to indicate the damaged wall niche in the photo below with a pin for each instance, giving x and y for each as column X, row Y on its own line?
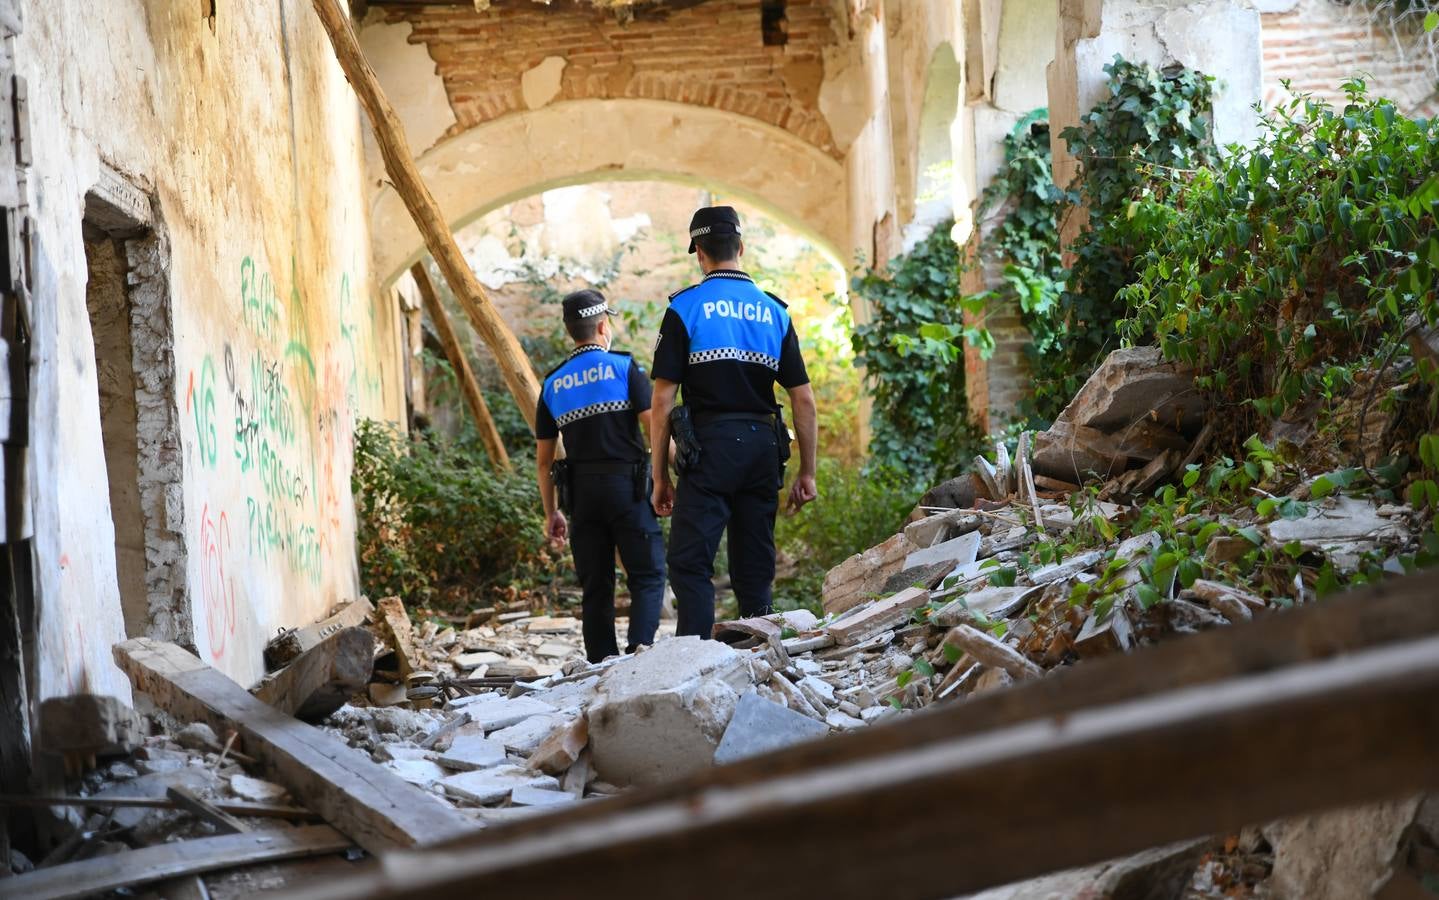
column 258, row 336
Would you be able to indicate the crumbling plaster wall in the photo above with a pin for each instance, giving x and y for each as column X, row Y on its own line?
column 248, row 139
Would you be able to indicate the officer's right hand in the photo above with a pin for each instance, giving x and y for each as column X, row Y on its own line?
column 663, row 497
column 557, row 529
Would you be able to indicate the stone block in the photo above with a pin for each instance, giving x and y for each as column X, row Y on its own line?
column 88, row 723
column 469, row 752
column 504, row 712
column 661, row 714
column 562, row 748
column 419, row 772
column 526, row 795
column 1133, row 385
column 524, row 737
column 760, row 726
column 848, row 583
column 1348, row 853
column 494, row 785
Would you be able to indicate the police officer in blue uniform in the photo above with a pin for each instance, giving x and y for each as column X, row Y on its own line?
column 726, row 343
column 597, row 399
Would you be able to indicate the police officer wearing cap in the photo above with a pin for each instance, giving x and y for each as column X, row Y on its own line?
column 726, row 343
column 597, row 398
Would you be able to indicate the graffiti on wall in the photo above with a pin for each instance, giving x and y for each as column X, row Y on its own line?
column 277, row 432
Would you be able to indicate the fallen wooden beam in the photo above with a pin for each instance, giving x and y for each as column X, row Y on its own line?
column 1168, row 766
column 205, row 810
column 395, row 623
column 460, row 363
column 372, row 805
column 1197, row 735
column 288, row 646
column 410, row 187
column 102, row 874
column 233, row 807
column 320, row 680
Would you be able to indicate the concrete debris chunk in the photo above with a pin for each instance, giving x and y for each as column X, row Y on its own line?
column 468, row 752
column 848, row 583
column 959, row 551
column 661, row 713
column 1345, row 526
column 528, row 795
column 1062, row 570
column 419, row 772
column 88, row 724
column 1114, row 634
column 989, row 602
column 485, row 786
column 883, row 615
column 760, row 726
column 842, row 722
column 562, row 748
column 503, row 712
column 523, row 737
column 1136, row 384
column 256, row 789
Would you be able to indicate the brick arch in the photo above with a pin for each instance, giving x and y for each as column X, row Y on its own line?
column 709, row 55
column 575, row 142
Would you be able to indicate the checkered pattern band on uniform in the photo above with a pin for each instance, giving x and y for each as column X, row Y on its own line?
column 736, row 354
column 592, row 311
column 594, row 409
column 723, row 274
column 701, row 232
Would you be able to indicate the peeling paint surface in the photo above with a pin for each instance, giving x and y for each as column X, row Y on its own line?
column 278, row 338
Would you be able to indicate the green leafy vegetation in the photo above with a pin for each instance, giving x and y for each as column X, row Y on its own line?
column 1153, row 124
column 437, row 525
column 910, row 352
column 855, row 511
column 1324, row 230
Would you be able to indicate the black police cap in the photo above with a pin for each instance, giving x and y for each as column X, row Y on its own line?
column 585, row 304
column 713, row 220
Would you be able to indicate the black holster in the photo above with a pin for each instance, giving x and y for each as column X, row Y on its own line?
column 687, row 445
column 781, row 436
column 561, row 474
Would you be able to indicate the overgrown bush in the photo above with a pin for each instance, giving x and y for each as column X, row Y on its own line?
column 855, row 511
column 919, row 425
column 436, row 524
column 1153, row 124
column 1296, row 260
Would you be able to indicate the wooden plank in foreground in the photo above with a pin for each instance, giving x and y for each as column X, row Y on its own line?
column 233, row 807
column 102, row 874
column 369, row 803
column 1311, row 709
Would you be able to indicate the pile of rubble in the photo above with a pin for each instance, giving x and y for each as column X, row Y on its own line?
column 1024, row 565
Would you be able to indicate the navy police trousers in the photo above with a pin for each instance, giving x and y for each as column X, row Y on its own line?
column 607, row 517
column 736, row 484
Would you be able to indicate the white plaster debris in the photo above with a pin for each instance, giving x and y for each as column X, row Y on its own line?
column 468, row 752
column 485, row 786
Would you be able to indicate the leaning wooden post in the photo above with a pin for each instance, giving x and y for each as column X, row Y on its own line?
column 400, row 165
column 455, row 353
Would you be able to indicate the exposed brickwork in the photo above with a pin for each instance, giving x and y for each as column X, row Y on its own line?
column 710, row 55
column 1319, row 44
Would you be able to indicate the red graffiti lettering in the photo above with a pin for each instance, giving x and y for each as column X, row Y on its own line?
column 216, row 590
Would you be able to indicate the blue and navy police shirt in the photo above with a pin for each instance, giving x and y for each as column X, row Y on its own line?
column 595, row 397
column 727, row 342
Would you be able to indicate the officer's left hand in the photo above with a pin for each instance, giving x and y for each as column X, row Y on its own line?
column 801, row 492
column 557, row 529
